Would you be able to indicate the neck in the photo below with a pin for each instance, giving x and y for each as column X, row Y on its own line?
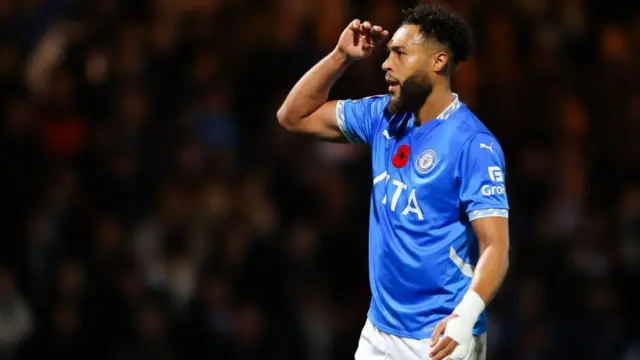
column 436, row 102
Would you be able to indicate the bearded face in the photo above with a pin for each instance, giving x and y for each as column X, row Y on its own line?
column 408, row 96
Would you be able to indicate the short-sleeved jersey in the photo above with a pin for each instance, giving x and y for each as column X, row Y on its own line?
column 429, row 183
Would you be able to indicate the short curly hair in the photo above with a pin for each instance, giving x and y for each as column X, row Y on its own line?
column 439, row 22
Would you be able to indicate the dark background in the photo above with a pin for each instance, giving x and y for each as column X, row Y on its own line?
column 152, row 208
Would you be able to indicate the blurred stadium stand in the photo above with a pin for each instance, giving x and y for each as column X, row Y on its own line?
column 152, row 208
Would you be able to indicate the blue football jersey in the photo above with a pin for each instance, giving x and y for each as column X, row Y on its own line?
column 429, row 183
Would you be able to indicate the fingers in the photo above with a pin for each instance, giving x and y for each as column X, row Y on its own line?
column 445, row 351
column 437, row 332
column 440, row 346
column 365, row 31
column 365, row 34
column 368, row 29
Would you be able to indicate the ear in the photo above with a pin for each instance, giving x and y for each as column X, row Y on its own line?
column 440, row 61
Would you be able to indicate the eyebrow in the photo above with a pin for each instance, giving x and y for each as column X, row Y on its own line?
column 396, row 47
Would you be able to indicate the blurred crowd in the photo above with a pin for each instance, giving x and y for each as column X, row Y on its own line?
column 152, row 208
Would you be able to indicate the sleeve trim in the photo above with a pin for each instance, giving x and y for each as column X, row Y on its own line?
column 342, row 125
column 484, row 213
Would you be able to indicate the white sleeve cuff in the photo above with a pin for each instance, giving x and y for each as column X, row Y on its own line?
column 483, row 213
column 342, row 125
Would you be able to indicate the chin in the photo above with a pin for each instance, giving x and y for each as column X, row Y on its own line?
column 394, row 106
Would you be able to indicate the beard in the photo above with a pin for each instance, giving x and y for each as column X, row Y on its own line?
column 413, row 92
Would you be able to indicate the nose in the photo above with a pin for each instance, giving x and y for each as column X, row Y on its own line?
column 386, row 65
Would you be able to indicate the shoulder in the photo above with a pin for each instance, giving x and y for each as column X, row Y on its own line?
column 469, row 130
column 359, row 118
column 371, row 105
column 378, row 100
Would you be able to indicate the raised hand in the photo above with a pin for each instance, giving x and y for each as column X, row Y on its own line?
column 358, row 40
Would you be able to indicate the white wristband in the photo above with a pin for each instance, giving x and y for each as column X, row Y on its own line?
column 470, row 307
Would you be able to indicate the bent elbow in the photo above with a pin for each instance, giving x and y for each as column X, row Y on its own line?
column 282, row 116
column 285, row 119
column 506, row 264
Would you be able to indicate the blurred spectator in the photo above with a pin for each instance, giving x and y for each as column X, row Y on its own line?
column 16, row 319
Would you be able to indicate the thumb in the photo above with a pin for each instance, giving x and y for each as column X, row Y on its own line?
column 437, row 332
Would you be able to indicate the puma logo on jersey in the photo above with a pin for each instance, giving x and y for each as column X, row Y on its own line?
column 489, row 147
column 386, row 135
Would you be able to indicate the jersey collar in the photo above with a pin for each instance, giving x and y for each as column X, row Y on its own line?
column 399, row 124
column 455, row 105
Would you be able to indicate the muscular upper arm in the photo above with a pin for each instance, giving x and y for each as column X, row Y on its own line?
column 492, row 231
column 353, row 121
column 322, row 123
column 483, row 195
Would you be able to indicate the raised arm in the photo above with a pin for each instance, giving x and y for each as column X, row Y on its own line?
column 306, row 109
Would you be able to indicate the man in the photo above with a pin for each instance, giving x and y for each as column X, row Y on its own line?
column 438, row 234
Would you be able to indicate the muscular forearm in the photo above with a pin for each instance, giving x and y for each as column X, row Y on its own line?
column 493, row 241
column 312, row 90
column 490, row 272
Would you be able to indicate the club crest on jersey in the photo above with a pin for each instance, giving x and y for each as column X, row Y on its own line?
column 426, row 161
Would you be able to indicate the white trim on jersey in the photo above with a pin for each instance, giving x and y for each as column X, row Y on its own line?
column 483, row 213
column 467, row 269
column 342, row 124
column 455, row 105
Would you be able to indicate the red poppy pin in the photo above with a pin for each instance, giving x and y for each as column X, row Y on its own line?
column 401, row 157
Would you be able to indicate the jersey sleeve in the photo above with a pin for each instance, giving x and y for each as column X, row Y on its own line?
column 481, row 176
column 359, row 118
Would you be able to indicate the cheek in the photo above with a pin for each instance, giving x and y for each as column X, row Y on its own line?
column 413, row 65
column 414, row 61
